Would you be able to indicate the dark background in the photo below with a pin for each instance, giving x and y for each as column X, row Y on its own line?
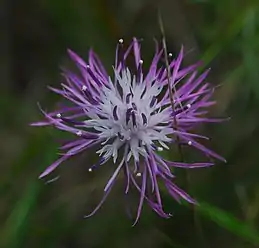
column 34, row 37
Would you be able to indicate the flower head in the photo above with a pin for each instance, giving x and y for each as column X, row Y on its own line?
column 131, row 119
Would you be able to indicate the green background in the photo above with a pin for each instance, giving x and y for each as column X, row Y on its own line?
column 34, row 37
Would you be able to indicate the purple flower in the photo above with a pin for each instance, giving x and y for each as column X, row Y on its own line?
column 130, row 116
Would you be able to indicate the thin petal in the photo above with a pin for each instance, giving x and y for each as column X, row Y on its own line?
column 142, row 194
column 53, row 166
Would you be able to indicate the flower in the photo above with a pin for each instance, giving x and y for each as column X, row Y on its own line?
column 131, row 116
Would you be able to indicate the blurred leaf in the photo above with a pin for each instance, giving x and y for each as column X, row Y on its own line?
column 249, row 50
column 168, row 240
column 228, row 221
column 15, row 226
column 231, row 30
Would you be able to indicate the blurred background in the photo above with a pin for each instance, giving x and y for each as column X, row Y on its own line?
column 36, row 213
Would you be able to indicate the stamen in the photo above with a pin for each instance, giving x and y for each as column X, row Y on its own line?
column 139, row 71
column 136, row 166
column 95, row 79
column 152, row 102
column 89, row 136
column 88, row 96
column 128, row 98
column 154, row 146
column 134, row 119
column 79, row 133
column 119, row 54
column 143, row 93
column 134, row 106
column 128, row 113
column 144, row 118
column 178, row 111
column 114, row 112
column 95, row 166
column 160, row 74
column 121, row 137
column 131, row 91
column 71, row 121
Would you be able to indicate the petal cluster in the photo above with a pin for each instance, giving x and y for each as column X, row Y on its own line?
column 130, row 118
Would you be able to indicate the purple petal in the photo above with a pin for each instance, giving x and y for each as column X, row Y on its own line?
column 136, row 48
column 115, row 174
column 142, row 195
column 127, row 175
column 156, row 207
column 150, row 176
column 72, row 144
column 100, row 203
column 204, row 149
column 53, row 166
column 188, row 165
column 76, row 58
column 96, row 63
column 180, row 192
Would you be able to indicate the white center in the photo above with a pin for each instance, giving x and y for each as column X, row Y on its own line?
column 130, row 113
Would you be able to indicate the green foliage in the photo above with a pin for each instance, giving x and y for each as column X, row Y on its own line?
column 229, row 222
column 223, row 33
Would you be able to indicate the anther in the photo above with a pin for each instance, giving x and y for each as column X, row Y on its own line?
column 138, row 174
column 79, row 133
column 170, row 55
column 160, row 149
column 114, row 112
column 121, row 137
column 143, row 92
column 144, row 119
column 58, row 115
column 134, row 106
column 120, row 41
column 188, row 106
column 128, row 98
column 134, row 119
column 153, row 100
column 93, row 75
column 95, row 166
column 189, row 143
column 84, row 88
column 128, row 113
column 141, row 61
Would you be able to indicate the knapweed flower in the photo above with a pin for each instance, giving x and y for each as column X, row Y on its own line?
column 130, row 117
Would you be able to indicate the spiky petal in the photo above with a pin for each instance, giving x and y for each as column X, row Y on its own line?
column 131, row 113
